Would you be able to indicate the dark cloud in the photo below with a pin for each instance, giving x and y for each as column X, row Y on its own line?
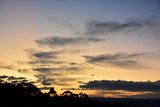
column 48, row 64
column 41, row 55
column 98, row 27
column 13, row 79
column 70, row 89
column 3, row 76
column 46, row 58
column 44, row 55
column 43, row 63
column 10, row 78
column 66, row 68
column 45, row 88
column 65, row 41
column 122, row 85
column 47, row 81
column 43, row 58
column 73, row 63
column 16, row 78
column 119, row 59
column 81, row 82
column 43, row 69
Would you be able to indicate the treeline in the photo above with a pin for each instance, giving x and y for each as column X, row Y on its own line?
column 28, row 95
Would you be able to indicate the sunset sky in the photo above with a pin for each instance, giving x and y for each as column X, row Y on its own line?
column 83, row 45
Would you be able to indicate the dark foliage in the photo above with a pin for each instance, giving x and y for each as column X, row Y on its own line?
column 28, row 95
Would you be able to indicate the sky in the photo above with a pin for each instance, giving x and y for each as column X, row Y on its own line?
column 105, row 48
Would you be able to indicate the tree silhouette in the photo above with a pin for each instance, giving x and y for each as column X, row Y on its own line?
column 83, row 95
column 67, row 94
column 52, row 92
column 28, row 95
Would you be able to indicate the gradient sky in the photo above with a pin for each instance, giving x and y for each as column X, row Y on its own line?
column 67, row 43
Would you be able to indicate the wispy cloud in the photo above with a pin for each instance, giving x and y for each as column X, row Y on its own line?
column 100, row 27
column 6, row 66
column 43, row 63
column 55, row 41
column 48, row 67
column 42, row 55
column 45, row 88
column 43, row 58
column 47, row 81
column 60, row 69
column 118, row 59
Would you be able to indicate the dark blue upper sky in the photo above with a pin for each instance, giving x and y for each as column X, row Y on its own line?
column 77, row 10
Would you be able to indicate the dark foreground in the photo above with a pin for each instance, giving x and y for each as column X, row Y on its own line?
column 28, row 95
column 131, row 102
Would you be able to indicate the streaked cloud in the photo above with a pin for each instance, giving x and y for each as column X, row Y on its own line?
column 42, row 58
column 45, row 88
column 124, row 60
column 47, row 81
column 104, row 27
column 42, row 55
column 41, row 63
column 55, row 41
column 65, row 68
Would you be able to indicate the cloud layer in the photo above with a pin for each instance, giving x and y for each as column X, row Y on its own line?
column 122, row 85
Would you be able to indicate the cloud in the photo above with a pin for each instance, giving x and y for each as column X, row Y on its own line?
column 98, row 27
column 146, row 95
column 45, row 62
column 81, row 82
column 67, row 79
column 122, row 85
column 13, row 79
column 43, row 69
column 56, row 41
column 3, row 76
column 16, row 78
column 118, row 59
column 42, row 55
column 50, row 66
column 47, row 81
column 6, row 66
column 66, row 68
column 43, row 58
column 45, row 88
